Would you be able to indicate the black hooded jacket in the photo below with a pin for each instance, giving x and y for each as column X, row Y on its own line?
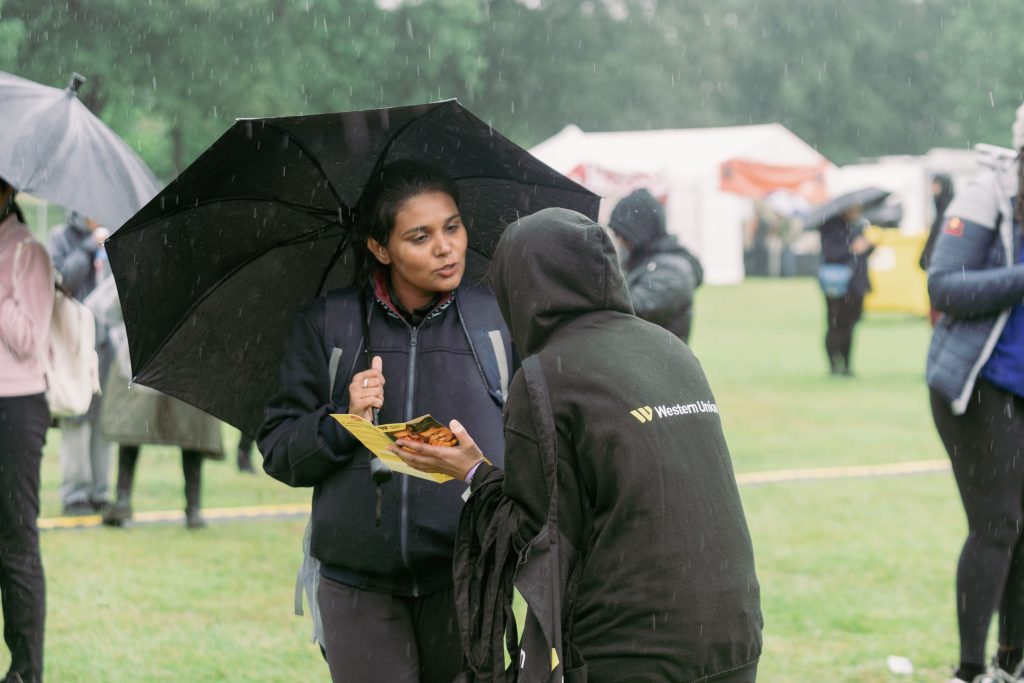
column 662, row 275
column 657, row 580
column 942, row 200
column 431, row 367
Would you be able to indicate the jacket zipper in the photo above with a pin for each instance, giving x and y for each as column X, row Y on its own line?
column 410, row 391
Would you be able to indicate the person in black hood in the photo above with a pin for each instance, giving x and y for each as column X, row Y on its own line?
column 661, row 274
column 385, row 583
column 942, row 194
column 618, row 510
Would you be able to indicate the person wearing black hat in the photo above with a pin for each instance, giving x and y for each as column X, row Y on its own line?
column 661, row 274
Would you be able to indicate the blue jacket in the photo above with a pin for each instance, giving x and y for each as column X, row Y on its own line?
column 431, row 368
column 973, row 281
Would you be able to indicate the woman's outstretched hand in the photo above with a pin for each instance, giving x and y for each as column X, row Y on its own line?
column 455, row 461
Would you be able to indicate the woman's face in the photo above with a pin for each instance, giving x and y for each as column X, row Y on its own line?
column 426, row 250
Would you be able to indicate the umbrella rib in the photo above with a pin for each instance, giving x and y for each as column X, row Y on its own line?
column 316, row 164
column 298, row 239
column 518, row 182
column 302, row 208
column 398, row 133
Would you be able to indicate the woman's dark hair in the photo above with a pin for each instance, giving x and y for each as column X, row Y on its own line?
column 393, row 185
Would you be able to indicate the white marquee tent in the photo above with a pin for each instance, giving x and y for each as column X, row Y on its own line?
column 684, row 166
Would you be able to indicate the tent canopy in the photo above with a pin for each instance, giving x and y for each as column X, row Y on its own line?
column 693, row 151
column 684, row 166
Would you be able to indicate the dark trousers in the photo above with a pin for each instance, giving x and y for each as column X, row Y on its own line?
column 382, row 638
column 843, row 314
column 986, row 448
column 23, row 424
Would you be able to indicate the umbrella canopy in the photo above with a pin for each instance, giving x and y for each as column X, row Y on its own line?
column 213, row 270
column 52, row 146
column 865, row 198
column 884, row 215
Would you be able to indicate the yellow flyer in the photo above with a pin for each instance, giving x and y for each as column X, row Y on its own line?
column 377, row 438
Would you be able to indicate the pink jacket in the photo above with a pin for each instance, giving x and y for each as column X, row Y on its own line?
column 26, row 305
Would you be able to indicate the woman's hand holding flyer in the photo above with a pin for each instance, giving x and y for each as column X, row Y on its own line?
column 453, row 461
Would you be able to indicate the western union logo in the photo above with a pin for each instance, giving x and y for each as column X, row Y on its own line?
column 648, row 414
column 645, row 414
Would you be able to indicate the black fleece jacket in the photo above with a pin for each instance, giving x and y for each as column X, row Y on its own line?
column 662, row 278
column 646, row 491
column 429, row 368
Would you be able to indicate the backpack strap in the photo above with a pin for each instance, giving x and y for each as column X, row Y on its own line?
column 489, row 339
column 343, row 338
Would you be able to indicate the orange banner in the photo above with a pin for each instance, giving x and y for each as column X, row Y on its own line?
column 756, row 180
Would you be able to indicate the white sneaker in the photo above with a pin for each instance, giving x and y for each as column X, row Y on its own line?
column 984, row 678
column 1001, row 676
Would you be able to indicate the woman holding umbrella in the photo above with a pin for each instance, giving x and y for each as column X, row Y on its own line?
column 26, row 303
column 844, row 279
column 385, row 588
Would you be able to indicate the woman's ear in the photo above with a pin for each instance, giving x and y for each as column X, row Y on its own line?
column 379, row 251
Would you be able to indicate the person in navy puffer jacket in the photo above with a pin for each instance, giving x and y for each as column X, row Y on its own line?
column 976, row 378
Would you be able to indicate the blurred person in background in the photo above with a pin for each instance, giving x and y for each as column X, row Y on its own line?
column 942, row 193
column 843, row 244
column 135, row 415
column 975, row 374
column 77, row 250
column 26, row 305
column 661, row 274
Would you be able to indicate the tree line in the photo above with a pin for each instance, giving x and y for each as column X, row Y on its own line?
column 855, row 78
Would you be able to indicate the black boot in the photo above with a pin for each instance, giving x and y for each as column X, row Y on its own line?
column 245, row 454
column 121, row 511
column 245, row 461
column 192, row 466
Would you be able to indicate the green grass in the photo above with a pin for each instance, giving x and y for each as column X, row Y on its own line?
column 851, row 570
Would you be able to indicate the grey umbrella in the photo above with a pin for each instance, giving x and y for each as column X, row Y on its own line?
column 866, row 198
column 52, row 146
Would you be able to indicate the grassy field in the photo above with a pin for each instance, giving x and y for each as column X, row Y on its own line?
column 851, row 570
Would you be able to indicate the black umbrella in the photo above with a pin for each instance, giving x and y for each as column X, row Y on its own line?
column 865, row 198
column 213, row 270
